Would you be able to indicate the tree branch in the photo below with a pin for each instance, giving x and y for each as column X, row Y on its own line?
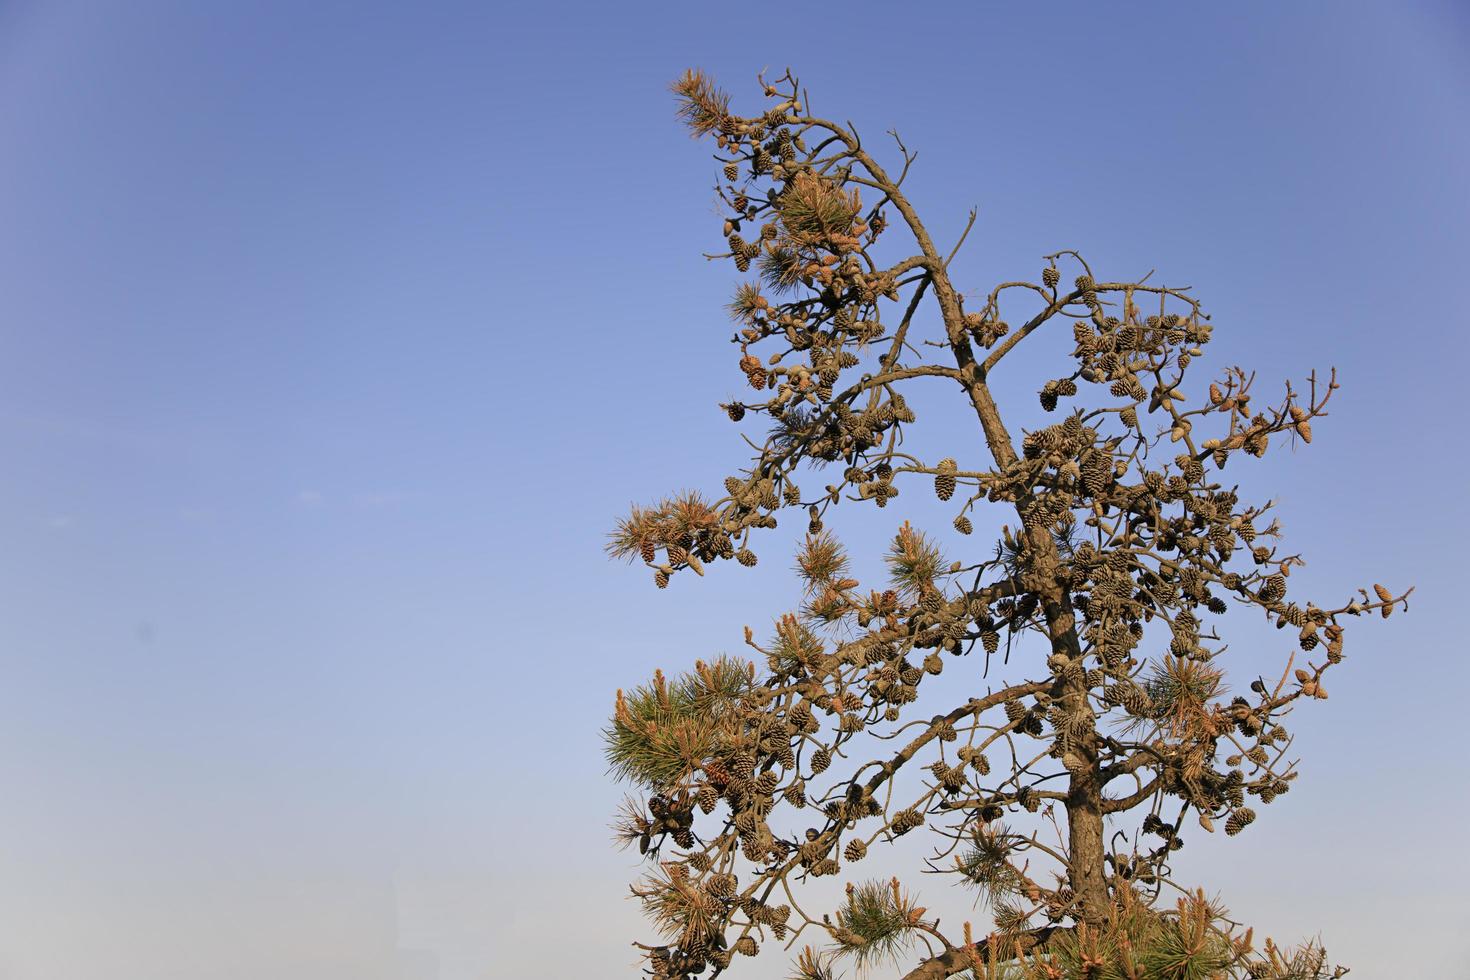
column 958, row 959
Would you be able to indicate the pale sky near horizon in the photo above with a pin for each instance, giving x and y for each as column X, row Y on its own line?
column 336, row 335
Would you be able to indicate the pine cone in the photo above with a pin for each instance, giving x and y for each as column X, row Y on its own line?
column 1239, row 820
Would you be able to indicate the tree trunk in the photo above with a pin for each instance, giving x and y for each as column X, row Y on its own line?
column 1084, row 791
column 1086, row 867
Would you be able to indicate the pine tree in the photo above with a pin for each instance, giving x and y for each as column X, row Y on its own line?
column 1128, row 547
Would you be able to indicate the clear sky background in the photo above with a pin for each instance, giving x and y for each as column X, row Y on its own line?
column 333, row 337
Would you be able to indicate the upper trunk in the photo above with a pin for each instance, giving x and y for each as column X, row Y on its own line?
column 1086, row 868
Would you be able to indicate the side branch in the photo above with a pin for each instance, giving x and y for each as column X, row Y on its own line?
column 958, row 959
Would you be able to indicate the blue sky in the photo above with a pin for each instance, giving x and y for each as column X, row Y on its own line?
column 336, row 335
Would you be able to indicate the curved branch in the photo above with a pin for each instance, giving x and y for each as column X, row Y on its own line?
column 1132, row 799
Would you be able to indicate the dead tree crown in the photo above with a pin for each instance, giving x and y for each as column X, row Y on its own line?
column 1061, row 795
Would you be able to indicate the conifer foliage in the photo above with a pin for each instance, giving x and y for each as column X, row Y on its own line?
column 1062, row 794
